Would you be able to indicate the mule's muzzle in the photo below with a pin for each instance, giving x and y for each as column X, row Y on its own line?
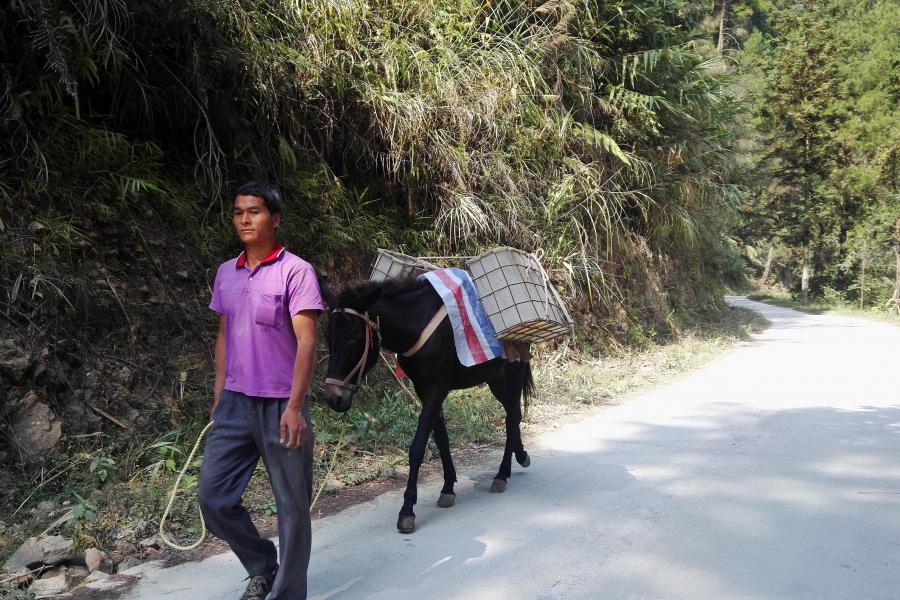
column 339, row 399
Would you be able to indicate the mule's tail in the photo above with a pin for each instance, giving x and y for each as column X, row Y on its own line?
column 527, row 387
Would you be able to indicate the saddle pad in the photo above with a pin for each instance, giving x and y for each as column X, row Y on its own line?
column 472, row 331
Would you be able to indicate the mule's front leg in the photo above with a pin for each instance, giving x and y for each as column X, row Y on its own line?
column 406, row 522
column 442, row 439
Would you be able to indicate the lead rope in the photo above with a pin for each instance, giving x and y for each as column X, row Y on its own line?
column 174, row 491
column 187, row 463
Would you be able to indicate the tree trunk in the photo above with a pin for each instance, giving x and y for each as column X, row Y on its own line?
column 721, row 46
column 804, row 282
column 895, row 299
column 768, row 269
column 862, row 282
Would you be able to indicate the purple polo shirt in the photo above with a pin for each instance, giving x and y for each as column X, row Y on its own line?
column 260, row 345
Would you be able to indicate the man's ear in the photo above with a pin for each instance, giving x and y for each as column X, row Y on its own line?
column 328, row 296
column 276, row 219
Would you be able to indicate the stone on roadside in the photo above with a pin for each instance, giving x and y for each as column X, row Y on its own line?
column 129, row 562
column 95, row 560
column 153, row 542
column 28, row 554
column 13, row 577
column 124, row 547
column 73, row 574
column 56, row 549
column 36, row 429
column 50, row 586
column 14, row 361
column 96, row 576
column 51, row 551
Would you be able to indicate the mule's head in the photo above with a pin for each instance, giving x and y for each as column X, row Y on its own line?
column 353, row 346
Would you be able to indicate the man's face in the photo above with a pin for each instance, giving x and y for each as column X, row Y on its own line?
column 253, row 221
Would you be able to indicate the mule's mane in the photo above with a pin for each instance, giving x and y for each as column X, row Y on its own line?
column 389, row 288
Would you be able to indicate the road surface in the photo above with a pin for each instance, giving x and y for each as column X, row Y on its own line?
column 772, row 473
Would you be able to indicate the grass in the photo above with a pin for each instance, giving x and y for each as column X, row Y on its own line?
column 824, row 306
column 376, row 435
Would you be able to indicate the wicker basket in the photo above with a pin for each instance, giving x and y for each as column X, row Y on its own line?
column 394, row 265
column 518, row 299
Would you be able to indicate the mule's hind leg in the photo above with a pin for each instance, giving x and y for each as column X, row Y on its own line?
column 507, row 388
column 442, row 440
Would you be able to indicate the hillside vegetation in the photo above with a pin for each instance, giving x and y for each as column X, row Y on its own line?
column 597, row 134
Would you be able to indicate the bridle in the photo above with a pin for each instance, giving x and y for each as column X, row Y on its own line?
column 373, row 331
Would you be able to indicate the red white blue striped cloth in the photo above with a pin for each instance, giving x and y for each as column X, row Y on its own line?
column 472, row 331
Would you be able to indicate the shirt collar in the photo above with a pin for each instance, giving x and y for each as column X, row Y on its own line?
column 272, row 256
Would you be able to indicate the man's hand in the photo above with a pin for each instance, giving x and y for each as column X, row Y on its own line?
column 293, row 428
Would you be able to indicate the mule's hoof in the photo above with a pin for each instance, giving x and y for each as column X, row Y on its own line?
column 525, row 463
column 406, row 523
column 446, row 500
column 498, row 487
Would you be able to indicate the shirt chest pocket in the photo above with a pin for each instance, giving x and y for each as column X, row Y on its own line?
column 270, row 310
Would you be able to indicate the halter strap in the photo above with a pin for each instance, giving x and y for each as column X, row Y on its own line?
column 370, row 327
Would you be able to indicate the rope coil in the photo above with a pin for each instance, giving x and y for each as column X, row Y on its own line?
column 172, row 494
column 184, row 469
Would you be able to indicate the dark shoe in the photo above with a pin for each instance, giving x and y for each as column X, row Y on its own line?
column 260, row 586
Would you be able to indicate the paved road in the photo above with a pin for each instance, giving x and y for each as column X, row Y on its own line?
column 773, row 473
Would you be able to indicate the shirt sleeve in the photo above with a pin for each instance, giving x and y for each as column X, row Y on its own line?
column 216, row 302
column 303, row 290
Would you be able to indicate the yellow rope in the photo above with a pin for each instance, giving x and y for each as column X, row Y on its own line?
column 187, row 463
column 162, row 521
column 331, row 466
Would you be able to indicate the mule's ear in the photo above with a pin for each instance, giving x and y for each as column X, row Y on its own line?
column 327, row 295
column 366, row 302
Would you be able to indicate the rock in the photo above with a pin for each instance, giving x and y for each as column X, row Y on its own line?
column 36, row 429
column 13, row 577
column 154, row 541
column 13, row 360
column 75, row 575
column 123, row 377
column 54, row 572
column 7, row 486
column 335, row 484
column 29, row 553
column 124, row 547
column 129, row 562
column 93, row 379
column 24, row 402
column 41, row 374
column 56, row 549
column 96, row 576
column 53, row 586
column 97, row 561
column 46, row 506
column 36, row 226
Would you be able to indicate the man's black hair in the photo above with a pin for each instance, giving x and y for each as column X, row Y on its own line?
column 268, row 192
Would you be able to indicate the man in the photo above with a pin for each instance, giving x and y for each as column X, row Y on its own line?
column 268, row 300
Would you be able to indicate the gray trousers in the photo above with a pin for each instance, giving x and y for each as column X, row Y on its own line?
column 245, row 430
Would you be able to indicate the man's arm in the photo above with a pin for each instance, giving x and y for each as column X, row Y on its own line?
column 293, row 425
column 220, row 365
